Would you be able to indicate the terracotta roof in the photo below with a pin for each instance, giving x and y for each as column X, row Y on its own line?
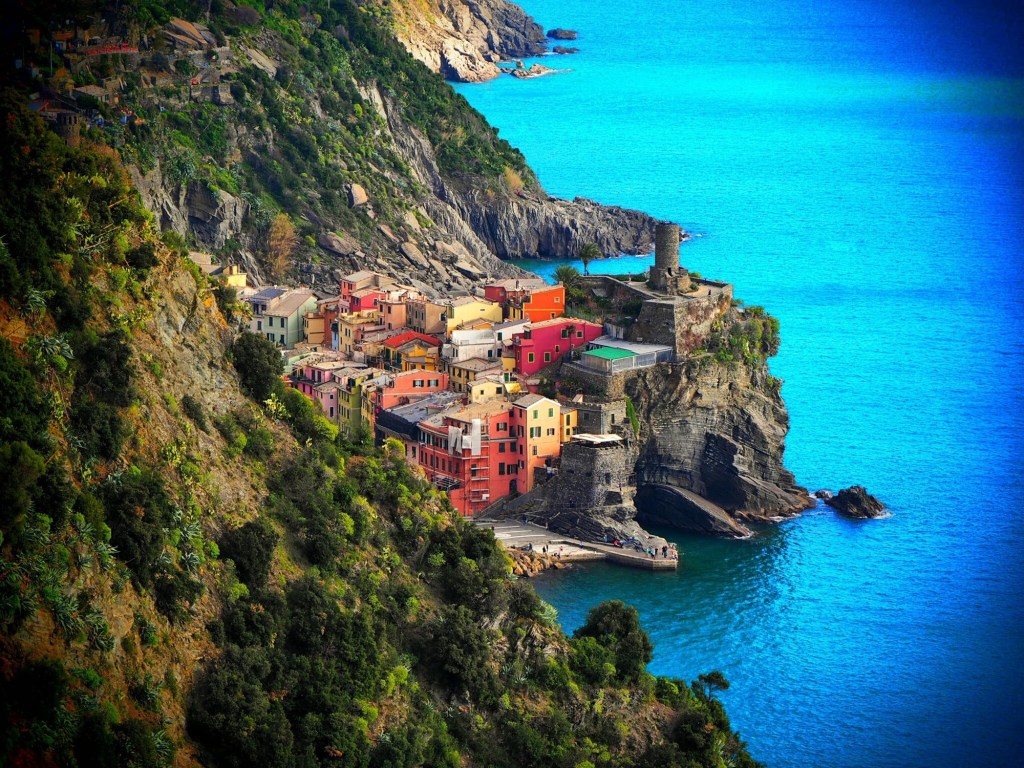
column 403, row 338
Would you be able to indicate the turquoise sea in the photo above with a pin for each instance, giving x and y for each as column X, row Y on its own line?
column 857, row 167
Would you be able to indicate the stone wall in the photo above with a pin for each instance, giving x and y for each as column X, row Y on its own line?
column 589, row 498
column 682, row 323
column 603, row 418
column 607, row 386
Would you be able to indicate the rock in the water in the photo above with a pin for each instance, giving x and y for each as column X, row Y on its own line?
column 564, row 50
column 856, row 502
column 824, row 494
column 357, row 196
column 562, row 34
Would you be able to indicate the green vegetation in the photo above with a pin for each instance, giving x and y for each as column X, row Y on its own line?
column 259, row 366
column 333, row 606
column 752, row 336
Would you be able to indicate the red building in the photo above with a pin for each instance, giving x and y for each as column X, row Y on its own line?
column 531, row 299
column 545, row 342
column 470, row 452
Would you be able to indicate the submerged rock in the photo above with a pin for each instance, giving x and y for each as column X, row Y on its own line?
column 857, row 503
column 824, row 494
column 564, row 49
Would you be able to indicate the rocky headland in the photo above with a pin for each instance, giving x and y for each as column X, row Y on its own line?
column 464, row 41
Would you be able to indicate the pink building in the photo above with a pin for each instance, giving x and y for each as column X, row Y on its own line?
column 408, row 387
column 314, row 377
column 546, row 342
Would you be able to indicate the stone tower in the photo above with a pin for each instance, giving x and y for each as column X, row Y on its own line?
column 69, row 126
column 666, row 273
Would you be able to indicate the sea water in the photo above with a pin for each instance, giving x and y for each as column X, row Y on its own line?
column 857, row 167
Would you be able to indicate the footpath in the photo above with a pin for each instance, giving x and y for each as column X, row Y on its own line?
column 533, row 543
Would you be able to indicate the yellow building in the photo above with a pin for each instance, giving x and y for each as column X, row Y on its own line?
column 350, row 398
column 463, row 373
column 352, row 326
column 570, row 422
column 537, row 422
column 462, row 312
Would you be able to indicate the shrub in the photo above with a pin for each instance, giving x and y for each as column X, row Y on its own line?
column 252, row 549
column 616, row 627
column 194, row 410
column 259, row 365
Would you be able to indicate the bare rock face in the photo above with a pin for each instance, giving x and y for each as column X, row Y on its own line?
column 357, row 196
column 550, row 228
column 857, row 503
column 717, row 432
column 464, row 39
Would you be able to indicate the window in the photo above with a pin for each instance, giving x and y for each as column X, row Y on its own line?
column 331, row 409
column 259, row 325
column 270, row 322
column 565, row 333
column 281, row 337
column 534, row 451
column 501, row 447
column 579, row 334
column 522, row 464
column 530, row 358
column 552, row 315
column 497, row 390
column 536, row 414
column 551, row 413
column 613, row 418
column 558, row 349
column 417, row 383
column 501, row 468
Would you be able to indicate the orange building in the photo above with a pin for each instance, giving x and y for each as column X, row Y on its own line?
column 530, row 299
column 537, row 422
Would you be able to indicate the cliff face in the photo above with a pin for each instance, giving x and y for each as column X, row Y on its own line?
column 463, row 41
column 718, row 432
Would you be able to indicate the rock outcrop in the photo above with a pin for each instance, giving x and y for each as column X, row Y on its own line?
column 464, row 41
column 857, row 503
column 716, row 432
column 562, row 34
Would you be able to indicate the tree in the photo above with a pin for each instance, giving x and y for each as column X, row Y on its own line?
column 281, row 243
column 258, row 363
column 587, row 254
column 567, row 275
column 616, row 626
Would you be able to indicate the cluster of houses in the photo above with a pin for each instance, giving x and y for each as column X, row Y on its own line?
column 455, row 380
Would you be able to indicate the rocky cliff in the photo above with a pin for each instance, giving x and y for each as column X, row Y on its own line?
column 464, row 41
column 413, row 184
column 717, row 431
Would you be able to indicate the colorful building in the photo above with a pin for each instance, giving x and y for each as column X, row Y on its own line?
column 546, row 342
column 278, row 314
column 355, row 282
column 465, row 372
column 403, row 421
column 536, row 421
column 528, row 299
column 470, row 452
column 426, row 316
column 393, row 351
column 462, row 311
column 352, row 326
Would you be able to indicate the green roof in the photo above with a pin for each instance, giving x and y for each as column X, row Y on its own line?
column 610, row 353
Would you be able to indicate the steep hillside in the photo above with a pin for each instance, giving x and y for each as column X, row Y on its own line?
column 312, row 117
column 194, row 575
